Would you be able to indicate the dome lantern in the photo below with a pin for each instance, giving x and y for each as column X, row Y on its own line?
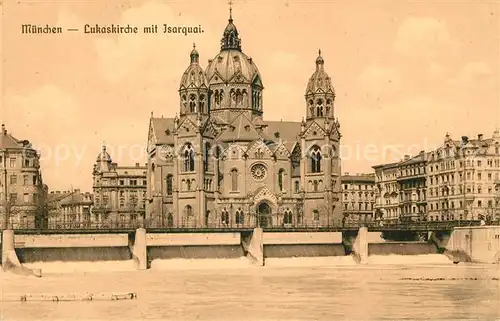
column 195, row 56
column 230, row 38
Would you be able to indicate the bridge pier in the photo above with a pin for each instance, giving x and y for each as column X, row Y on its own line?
column 10, row 261
column 356, row 244
column 253, row 245
column 138, row 248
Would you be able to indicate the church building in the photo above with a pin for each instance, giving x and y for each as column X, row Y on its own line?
column 219, row 163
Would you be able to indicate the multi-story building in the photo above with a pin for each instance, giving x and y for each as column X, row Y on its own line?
column 459, row 180
column 463, row 177
column 221, row 163
column 21, row 187
column 70, row 209
column 119, row 191
column 358, row 197
column 387, row 192
column 412, row 188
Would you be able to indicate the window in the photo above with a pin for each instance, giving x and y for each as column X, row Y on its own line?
column 144, row 182
column 225, row 217
column 169, row 184
column 287, row 217
column 25, row 180
column 192, row 103
column 281, row 173
column 207, row 157
column 239, row 217
column 26, row 198
column 13, row 179
column 234, row 180
column 12, row 162
column 316, row 215
column 316, row 160
column 122, row 182
column 34, row 180
column 188, row 185
column 188, row 158
column 13, row 198
column 133, row 182
column 189, row 210
column 297, row 187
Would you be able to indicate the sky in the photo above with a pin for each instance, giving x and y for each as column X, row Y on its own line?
column 405, row 73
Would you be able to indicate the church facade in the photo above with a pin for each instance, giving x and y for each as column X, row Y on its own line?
column 219, row 163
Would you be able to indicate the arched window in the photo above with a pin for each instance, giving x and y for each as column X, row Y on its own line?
column 316, row 160
column 287, row 217
column 297, row 187
column 184, row 103
column 281, row 174
column 202, row 104
column 192, row 104
column 170, row 220
column 315, row 186
column 328, row 107
column 319, row 108
column 169, row 184
column 225, row 217
column 316, row 215
column 188, row 185
column 239, row 217
column 234, row 179
column 206, row 155
column 189, row 210
column 188, row 158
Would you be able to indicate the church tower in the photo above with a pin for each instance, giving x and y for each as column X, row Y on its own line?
column 320, row 139
column 193, row 91
column 234, row 80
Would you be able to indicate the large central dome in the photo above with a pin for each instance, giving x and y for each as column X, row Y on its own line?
column 232, row 64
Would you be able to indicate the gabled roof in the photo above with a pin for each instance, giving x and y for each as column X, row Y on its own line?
column 160, row 126
column 241, row 129
column 288, row 131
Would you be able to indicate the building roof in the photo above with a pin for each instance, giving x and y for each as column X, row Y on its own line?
column 386, row 166
column 7, row 141
column 362, row 178
column 160, row 126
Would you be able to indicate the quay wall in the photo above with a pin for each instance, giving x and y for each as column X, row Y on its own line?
column 479, row 244
column 474, row 244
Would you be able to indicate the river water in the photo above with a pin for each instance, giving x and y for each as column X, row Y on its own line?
column 426, row 287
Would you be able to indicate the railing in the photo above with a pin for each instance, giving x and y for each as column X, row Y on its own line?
column 117, row 225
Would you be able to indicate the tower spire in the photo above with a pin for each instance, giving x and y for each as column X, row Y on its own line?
column 230, row 38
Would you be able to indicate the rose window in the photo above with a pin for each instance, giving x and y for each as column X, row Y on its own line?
column 258, row 172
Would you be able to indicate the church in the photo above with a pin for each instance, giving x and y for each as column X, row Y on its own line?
column 218, row 163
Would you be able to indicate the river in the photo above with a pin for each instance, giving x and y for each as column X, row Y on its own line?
column 387, row 288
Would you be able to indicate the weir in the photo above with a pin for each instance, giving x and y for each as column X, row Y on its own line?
column 474, row 244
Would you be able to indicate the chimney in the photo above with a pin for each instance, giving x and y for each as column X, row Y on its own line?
column 77, row 190
column 465, row 139
column 480, row 137
column 422, row 152
column 51, row 192
column 4, row 131
column 407, row 157
column 136, row 164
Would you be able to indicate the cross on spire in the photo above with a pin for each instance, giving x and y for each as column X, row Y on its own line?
column 230, row 9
